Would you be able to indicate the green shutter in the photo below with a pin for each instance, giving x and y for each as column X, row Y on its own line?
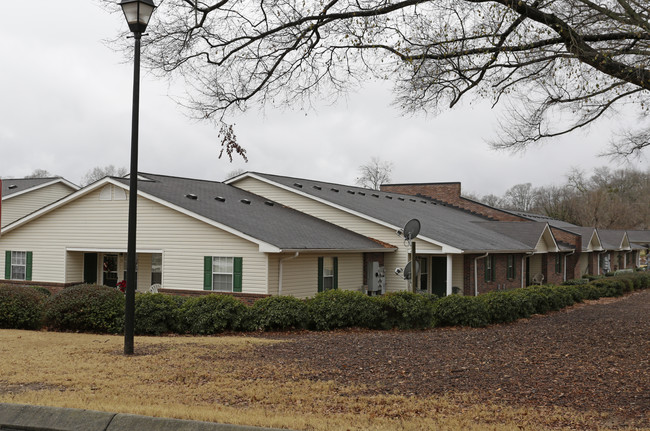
column 28, row 269
column 487, row 266
column 8, row 265
column 207, row 273
column 335, row 282
column 320, row 274
column 237, row 274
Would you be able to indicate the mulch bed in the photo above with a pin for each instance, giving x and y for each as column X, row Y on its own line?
column 593, row 356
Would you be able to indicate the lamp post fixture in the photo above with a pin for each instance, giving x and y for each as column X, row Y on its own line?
column 137, row 14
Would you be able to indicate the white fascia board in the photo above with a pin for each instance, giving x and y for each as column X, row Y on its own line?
column 40, row 186
column 547, row 230
column 264, row 247
column 51, row 207
column 111, row 250
column 445, row 248
column 526, row 251
column 337, row 250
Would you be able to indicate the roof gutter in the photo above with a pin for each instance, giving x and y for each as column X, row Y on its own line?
column 476, row 272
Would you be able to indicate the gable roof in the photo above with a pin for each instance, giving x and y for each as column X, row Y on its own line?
column 12, row 187
column 530, row 233
column 639, row 237
column 454, row 229
column 589, row 235
column 613, row 239
column 273, row 227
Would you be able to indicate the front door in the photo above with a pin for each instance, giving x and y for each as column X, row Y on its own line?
column 90, row 268
column 110, row 270
column 439, row 275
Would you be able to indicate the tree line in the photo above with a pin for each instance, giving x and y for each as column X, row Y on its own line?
column 606, row 199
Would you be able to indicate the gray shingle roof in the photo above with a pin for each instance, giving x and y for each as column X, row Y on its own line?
column 542, row 218
column 528, row 233
column 253, row 215
column 639, row 236
column 12, row 186
column 611, row 239
column 450, row 226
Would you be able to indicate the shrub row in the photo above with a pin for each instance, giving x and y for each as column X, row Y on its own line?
column 100, row 309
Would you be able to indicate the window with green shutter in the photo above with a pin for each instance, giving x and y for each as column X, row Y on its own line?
column 489, row 268
column 222, row 274
column 18, row 265
column 510, row 271
column 328, row 273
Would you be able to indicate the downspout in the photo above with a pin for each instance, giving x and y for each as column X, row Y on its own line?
column 280, row 271
column 523, row 267
column 565, row 256
column 476, row 272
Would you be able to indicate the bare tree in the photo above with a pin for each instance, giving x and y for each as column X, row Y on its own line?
column 560, row 64
column 39, row 173
column 98, row 172
column 520, row 197
column 374, row 173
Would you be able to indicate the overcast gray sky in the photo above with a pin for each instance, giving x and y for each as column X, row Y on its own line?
column 66, row 107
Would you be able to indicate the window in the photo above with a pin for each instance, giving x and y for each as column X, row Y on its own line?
column 489, row 268
column 156, row 268
column 424, row 273
column 222, row 274
column 327, row 273
column 510, row 271
column 558, row 263
column 18, row 265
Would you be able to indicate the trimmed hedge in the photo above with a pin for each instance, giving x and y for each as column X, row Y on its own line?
column 211, row 314
column 156, row 313
column 344, row 309
column 100, row 309
column 86, row 308
column 280, row 313
column 406, row 310
column 21, row 307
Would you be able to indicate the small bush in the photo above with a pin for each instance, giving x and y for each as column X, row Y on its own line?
column 280, row 312
column 406, row 310
column 503, row 307
column 575, row 282
column 21, row 307
column 344, row 309
column 86, row 308
column 455, row 310
column 211, row 314
column 609, row 287
column 45, row 291
column 157, row 313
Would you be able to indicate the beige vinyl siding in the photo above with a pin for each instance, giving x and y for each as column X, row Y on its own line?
column 300, row 275
column 535, row 265
column 457, row 275
column 19, row 206
column 92, row 224
column 583, row 263
column 346, row 220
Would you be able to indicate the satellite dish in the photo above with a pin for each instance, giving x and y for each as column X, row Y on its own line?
column 412, row 229
column 408, row 270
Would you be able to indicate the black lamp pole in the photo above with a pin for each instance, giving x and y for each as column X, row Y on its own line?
column 137, row 13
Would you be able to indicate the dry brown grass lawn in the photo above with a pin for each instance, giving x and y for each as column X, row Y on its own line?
column 202, row 378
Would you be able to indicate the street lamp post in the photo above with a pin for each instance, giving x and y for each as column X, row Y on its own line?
column 137, row 14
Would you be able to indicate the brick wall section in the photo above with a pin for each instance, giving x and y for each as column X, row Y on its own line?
column 501, row 281
column 246, row 298
column 449, row 193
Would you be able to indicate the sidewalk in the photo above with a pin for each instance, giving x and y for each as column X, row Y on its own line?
column 19, row 417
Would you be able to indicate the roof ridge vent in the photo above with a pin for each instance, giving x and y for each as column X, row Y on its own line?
column 389, row 197
column 400, row 198
column 269, row 203
column 191, row 196
column 298, row 185
column 12, row 186
column 362, row 193
column 220, row 199
column 245, row 201
column 334, row 190
column 375, row 195
column 317, row 187
column 351, row 192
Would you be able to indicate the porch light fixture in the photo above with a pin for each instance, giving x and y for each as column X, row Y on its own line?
column 137, row 14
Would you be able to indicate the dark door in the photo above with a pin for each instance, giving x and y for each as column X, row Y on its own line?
column 439, row 275
column 90, row 268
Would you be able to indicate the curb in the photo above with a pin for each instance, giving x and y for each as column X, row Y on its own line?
column 23, row 417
